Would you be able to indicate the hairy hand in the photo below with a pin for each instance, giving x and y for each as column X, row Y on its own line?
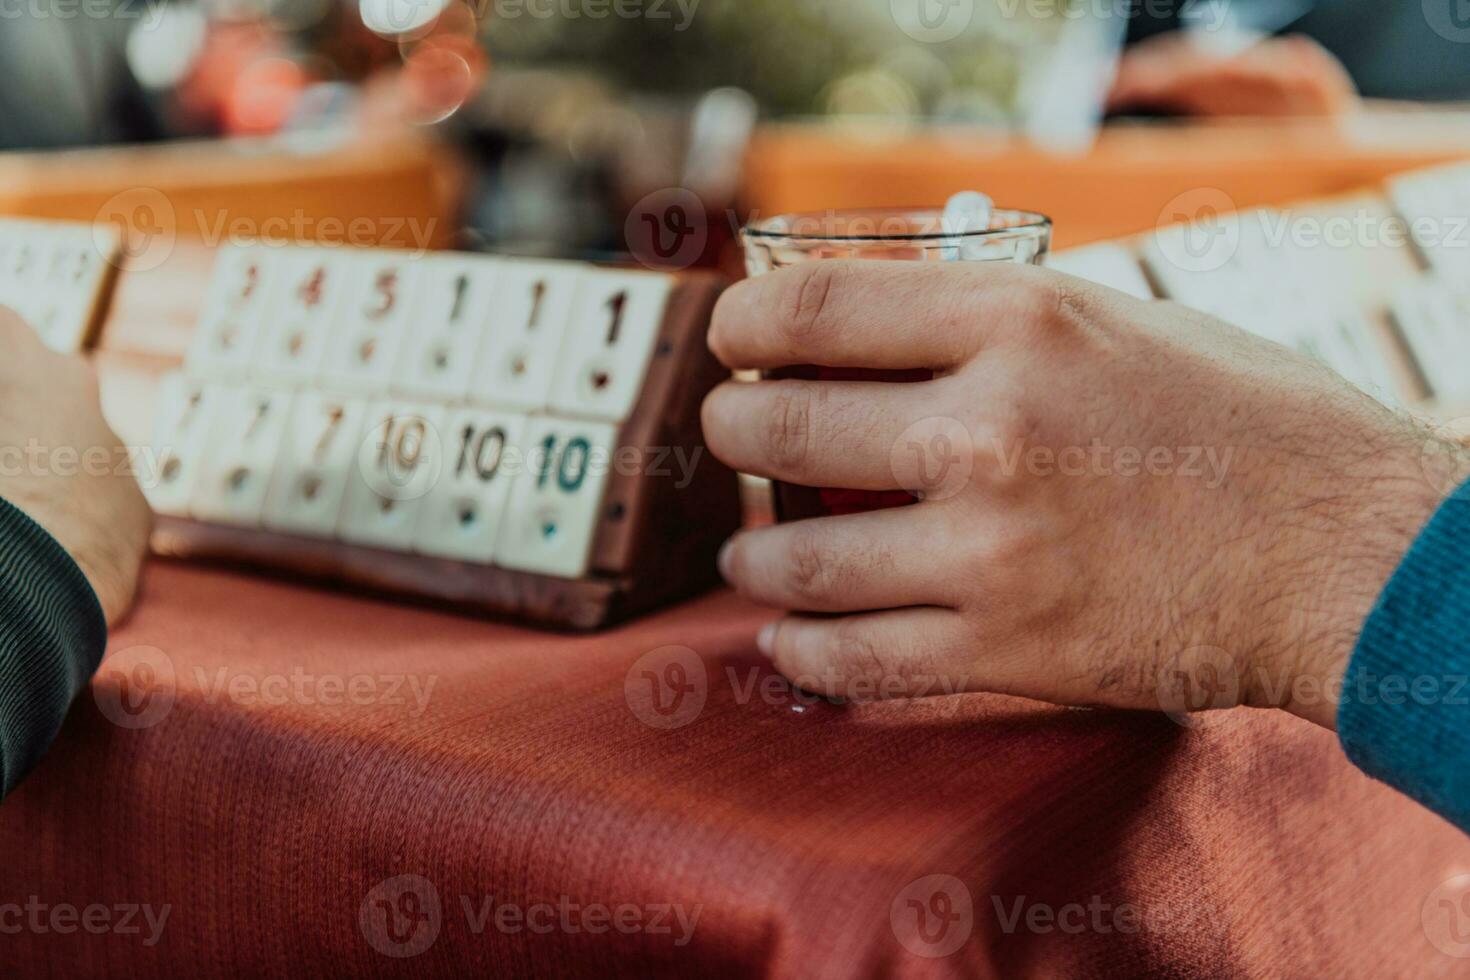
column 64, row 467
column 1279, row 76
column 1124, row 503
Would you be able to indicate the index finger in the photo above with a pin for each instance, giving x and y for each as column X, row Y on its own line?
column 874, row 314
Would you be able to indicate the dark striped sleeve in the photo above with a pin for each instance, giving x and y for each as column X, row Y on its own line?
column 52, row 635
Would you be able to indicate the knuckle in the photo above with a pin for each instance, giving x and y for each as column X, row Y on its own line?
column 808, row 299
column 1040, row 299
column 789, row 430
column 806, row 563
column 854, row 652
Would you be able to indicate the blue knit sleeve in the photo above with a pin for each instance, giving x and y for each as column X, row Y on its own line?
column 1404, row 717
column 52, row 635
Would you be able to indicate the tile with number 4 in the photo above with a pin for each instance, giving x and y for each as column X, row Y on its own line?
column 462, row 514
column 306, row 291
column 556, row 501
column 399, row 461
column 239, row 461
column 608, row 346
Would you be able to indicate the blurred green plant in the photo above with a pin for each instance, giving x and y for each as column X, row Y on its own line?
column 797, row 57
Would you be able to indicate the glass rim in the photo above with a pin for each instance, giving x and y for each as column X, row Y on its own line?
column 767, row 230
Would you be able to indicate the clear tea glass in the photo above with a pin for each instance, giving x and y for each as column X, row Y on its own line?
column 902, row 234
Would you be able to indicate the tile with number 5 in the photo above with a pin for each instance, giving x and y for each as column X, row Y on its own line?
column 378, row 309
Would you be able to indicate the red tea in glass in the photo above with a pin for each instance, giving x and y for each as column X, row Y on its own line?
column 905, row 235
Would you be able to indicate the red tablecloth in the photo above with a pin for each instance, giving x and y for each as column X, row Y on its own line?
column 255, row 764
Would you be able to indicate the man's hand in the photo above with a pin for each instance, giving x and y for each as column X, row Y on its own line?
column 1126, row 503
column 63, row 466
column 1279, row 76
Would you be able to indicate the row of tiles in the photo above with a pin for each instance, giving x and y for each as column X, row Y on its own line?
column 524, row 335
column 489, row 487
column 1305, row 281
column 54, row 274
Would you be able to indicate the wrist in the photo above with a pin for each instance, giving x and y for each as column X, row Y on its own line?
column 1345, row 565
